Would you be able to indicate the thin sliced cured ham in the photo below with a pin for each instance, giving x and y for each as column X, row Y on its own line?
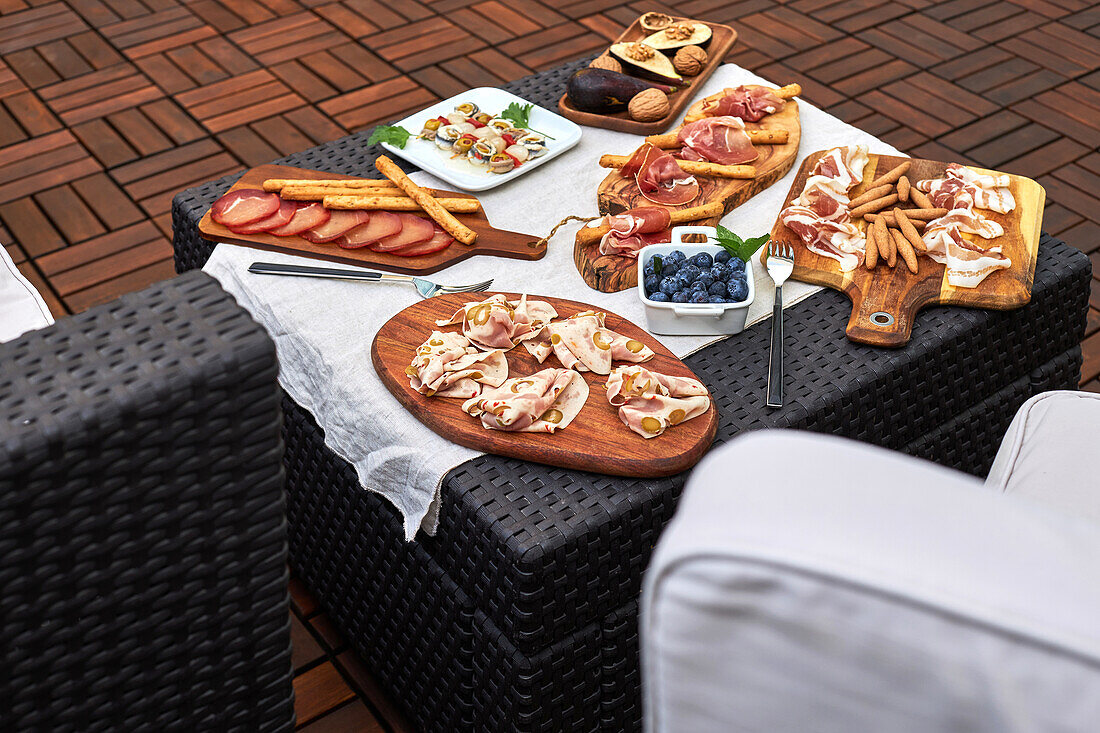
column 751, row 104
column 659, row 177
column 380, row 225
column 447, row 365
column 497, row 323
column 338, row 223
column 543, row 402
column 440, row 240
column 721, row 140
column 582, row 342
column 987, row 191
column 649, row 402
column 244, row 206
column 414, row 230
column 634, row 229
column 305, row 217
column 280, row 218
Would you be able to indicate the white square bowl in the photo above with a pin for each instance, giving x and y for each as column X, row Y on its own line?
column 692, row 319
column 426, row 156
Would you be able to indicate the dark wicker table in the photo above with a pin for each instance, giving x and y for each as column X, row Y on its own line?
column 521, row 614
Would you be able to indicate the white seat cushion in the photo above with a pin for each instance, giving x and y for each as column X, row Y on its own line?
column 21, row 307
column 1051, row 453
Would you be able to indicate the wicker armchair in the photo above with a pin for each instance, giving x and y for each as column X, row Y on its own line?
column 142, row 520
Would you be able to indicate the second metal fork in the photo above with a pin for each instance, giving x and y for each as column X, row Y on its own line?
column 426, row 288
column 780, row 266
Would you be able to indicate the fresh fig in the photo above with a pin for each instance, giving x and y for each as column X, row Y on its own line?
column 600, row 90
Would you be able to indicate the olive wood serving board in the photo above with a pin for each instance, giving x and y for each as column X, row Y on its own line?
column 721, row 41
column 612, row 273
column 490, row 241
column 597, row 440
column 900, row 293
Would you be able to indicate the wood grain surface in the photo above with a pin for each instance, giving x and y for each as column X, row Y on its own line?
column 721, row 41
column 595, row 441
column 616, row 193
column 901, row 293
column 490, row 241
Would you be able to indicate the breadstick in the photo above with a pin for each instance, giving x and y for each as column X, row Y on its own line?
column 909, row 232
column 671, row 140
column 870, row 219
column 870, row 195
column 870, row 258
column 590, row 235
column 903, row 189
column 690, row 166
column 441, row 216
column 276, row 184
column 786, row 92
column 873, row 206
column 368, row 202
column 305, row 192
column 891, row 176
column 920, row 198
column 913, row 215
column 885, row 242
column 901, row 244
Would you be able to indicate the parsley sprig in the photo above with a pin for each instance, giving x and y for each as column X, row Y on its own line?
column 520, row 114
column 395, row 135
column 737, row 247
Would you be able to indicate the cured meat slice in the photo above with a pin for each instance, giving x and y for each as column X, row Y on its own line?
column 381, row 224
column 582, row 342
column 338, row 223
column 751, row 104
column 497, row 323
column 634, row 229
column 721, row 140
column 244, row 206
column 413, row 231
column 649, row 403
column 305, row 217
column 446, row 365
column 440, row 240
column 841, row 241
column 660, row 178
column 543, row 402
column 280, row 218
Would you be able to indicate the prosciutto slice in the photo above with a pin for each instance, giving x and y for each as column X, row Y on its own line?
column 751, row 104
column 543, row 402
column 583, row 343
column 659, row 177
column 446, row 365
column 721, row 140
column 634, row 229
column 649, row 402
column 497, row 323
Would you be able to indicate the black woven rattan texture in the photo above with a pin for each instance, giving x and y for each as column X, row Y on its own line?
column 142, row 528
column 544, row 553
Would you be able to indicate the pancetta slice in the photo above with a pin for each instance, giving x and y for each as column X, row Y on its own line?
column 543, row 402
column 649, row 402
column 634, row 229
column 659, row 177
column 582, row 342
column 721, row 140
column 751, row 104
column 497, row 323
column 447, row 365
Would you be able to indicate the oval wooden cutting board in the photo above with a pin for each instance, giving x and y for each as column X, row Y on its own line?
column 612, row 273
column 901, row 293
column 595, row 441
column 490, row 241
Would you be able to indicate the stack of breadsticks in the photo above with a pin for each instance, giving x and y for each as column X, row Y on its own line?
column 892, row 230
column 395, row 192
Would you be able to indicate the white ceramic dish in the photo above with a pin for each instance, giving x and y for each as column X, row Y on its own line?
column 692, row 319
column 426, row 156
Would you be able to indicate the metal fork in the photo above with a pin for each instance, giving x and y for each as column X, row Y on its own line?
column 425, row 287
column 780, row 266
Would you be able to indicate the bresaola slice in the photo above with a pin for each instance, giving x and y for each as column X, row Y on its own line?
column 306, row 217
column 244, row 206
column 381, row 224
column 338, row 223
column 440, row 240
column 413, row 231
column 280, row 218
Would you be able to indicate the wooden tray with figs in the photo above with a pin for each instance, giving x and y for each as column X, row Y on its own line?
column 721, row 41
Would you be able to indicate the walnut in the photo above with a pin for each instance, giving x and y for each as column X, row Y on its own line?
column 655, row 21
column 639, row 51
column 649, row 106
column 679, row 31
column 605, row 61
column 689, row 60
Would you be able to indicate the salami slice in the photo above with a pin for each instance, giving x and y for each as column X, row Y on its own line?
column 281, row 217
column 440, row 240
column 244, row 206
column 306, row 217
column 413, row 231
column 339, row 222
column 382, row 224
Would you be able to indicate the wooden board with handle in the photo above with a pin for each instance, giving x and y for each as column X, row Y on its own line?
column 490, row 241
column 597, row 440
column 616, row 193
column 899, row 293
column 722, row 39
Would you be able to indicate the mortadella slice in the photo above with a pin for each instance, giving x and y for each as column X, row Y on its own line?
column 649, row 402
column 446, row 365
column 543, row 402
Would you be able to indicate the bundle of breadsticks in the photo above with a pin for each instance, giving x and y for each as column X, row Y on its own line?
column 895, row 211
column 395, row 192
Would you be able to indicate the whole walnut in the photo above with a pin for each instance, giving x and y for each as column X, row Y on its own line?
column 605, row 61
column 690, row 60
column 649, row 105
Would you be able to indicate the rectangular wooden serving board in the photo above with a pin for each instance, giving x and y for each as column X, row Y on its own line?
column 722, row 39
column 596, row 440
column 490, row 241
column 901, row 293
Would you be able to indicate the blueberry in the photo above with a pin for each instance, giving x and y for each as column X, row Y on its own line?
column 703, row 260
column 659, row 297
column 649, row 268
column 737, row 264
column 669, row 268
column 652, row 284
column 706, row 278
column 675, row 256
column 690, row 272
column 698, row 287
column 722, row 257
column 716, row 299
column 720, row 271
column 699, row 296
column 718, row 288
column 681, row 296
column 669, row 285
column 738, row 290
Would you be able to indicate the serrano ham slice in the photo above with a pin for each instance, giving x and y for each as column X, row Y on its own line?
column 649, row 402
column 721, row 140
column 750, row 104
column 497, row 323
column 659, row 177
column 381, row 224
column 440, row 240
column 280, row 218
column 244, row 206
column 305, row 217
column 413, row 231
column 446, row 365
column 634, row 229
column 338, row 223
column 543, row 402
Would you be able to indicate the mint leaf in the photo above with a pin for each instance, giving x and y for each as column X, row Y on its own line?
column 753, row 245
column 737, row 247
column 657, row 264
column 393, row 134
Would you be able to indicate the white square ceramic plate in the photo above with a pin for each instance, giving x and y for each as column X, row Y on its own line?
column 426, row 156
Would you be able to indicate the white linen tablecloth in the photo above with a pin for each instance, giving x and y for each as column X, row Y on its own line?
column 323, row 329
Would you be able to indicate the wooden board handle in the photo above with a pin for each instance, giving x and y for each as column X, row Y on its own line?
column 882, row 317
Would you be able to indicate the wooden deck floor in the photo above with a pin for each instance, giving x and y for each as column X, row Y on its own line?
column 108, row 107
